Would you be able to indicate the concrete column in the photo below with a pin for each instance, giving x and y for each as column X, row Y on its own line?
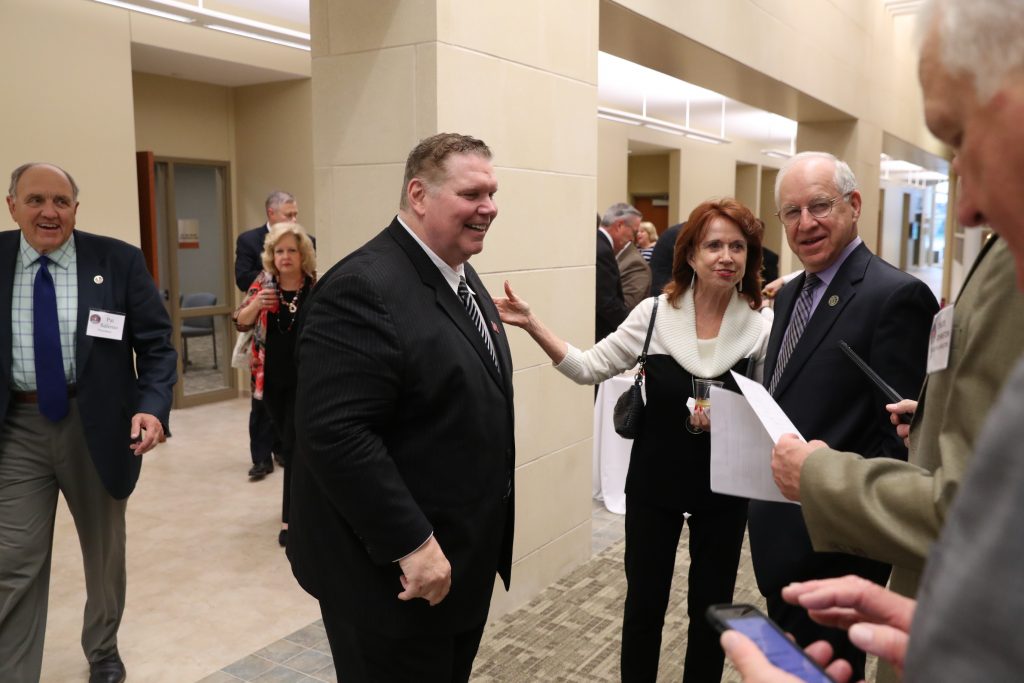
column 522, row 77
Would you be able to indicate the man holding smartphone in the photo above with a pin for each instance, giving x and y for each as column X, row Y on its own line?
column 966, row 623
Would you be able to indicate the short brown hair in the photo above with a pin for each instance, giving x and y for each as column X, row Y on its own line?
column 427, row 159
column 693, row 231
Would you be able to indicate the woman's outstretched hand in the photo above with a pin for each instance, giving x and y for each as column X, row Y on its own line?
column 512, row 309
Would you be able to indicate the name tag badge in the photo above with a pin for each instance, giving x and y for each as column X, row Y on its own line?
column 105, row 324
column 940, row 339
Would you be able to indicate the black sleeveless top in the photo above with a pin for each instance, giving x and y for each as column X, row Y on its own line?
column 670, row 467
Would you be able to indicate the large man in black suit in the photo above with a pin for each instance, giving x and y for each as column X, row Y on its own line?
column 618, row 225
column 281, row 207
column 402, row 489
column 885, row 316
column 86, row 370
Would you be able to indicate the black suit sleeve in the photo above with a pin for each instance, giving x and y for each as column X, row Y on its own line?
column 350, row 342
column 661, row 259
column 248, row 263
column 610, row 307
column 899, row 352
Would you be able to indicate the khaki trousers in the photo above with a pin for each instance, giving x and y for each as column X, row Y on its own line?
column 38, row 458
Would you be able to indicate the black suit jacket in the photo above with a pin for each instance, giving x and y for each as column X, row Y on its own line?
column 249, row 256
column 885, row 315
column 116, row 378
column 661, row 258
column 610, row 307
column 404, row 427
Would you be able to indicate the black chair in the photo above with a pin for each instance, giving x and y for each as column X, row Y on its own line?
column 198, row 327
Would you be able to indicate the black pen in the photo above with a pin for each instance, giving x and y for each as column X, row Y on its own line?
column 905, row 418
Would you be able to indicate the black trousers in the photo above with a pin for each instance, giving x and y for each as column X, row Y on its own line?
column 280, row 408
column 363, row 656
column 652, row 537
column 262, row 437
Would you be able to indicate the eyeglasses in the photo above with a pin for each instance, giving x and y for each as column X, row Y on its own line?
column 819, row 208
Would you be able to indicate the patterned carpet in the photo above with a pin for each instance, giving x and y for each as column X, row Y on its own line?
column 571, row 631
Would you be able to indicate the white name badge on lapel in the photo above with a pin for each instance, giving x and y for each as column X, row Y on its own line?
column 105, row 324
column 939, row 340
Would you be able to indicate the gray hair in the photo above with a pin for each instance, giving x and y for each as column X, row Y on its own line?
column 980, row 38
column 16, row 174
column 843, row 178
column 617, row 211
column 277, row 198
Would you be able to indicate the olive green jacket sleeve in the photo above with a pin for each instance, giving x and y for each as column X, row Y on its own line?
column 891, row 510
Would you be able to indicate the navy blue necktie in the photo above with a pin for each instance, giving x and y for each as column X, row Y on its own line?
column 51, row 385
column 801, row 314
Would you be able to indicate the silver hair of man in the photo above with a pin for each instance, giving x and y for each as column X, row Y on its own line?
column 617, row 211
column 980, row 38
column 16, row 174
column 843, row 179
column 279, row 197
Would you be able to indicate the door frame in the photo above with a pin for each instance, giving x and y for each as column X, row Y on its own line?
column 230, row 391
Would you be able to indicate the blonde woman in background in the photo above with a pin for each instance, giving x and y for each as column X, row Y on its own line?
column 646, row 236
column 270, row 309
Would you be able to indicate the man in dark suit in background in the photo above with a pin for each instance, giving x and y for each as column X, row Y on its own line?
column 618, row 225
column 402, row 503
column 281, row 207
column 661, row 258
column 846, row 293
column 86, row 370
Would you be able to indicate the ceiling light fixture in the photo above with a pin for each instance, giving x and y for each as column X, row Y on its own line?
column 256, row 36
column 617, row 119
column 658, row 125
column 190, row 13
column 147, row 10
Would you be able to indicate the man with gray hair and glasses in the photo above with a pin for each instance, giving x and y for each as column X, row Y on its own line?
column 845, row 293
column 965, row 625
column 618, row 225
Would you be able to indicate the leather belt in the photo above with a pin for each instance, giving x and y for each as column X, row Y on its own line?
column 33, row 397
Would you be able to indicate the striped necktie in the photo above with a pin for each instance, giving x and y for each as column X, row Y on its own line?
column 51, row 384
column 801, row 313
column 474, row 314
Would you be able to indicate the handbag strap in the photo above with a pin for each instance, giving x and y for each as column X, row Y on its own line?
column 642, row 358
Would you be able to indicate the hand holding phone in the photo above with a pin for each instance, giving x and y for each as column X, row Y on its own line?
column 772, row 641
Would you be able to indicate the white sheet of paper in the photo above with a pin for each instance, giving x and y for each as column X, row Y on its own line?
column 768, row 411
column 741, row 450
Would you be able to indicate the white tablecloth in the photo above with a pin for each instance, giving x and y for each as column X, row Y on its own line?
column 611, row 451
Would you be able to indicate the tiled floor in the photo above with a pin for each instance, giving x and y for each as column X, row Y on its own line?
column 208, row 584
column 304, row 656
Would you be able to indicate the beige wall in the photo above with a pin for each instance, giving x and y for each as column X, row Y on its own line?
column 648, row 174
column 863, row 60
column 274, row 150
column 68, row 100
column 184, row 119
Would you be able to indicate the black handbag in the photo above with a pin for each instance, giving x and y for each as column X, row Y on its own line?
column 628, row 414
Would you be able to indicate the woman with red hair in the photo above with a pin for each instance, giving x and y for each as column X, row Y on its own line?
column 708, row 323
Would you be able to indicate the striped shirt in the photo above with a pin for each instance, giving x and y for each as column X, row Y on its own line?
column 64, row 271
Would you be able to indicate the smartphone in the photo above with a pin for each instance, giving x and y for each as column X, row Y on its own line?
column 773, row 642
